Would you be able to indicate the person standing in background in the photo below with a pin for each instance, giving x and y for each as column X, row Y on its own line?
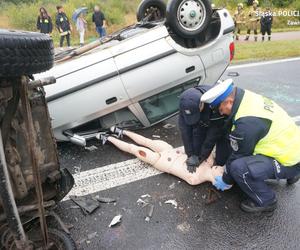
column 63, row 25
column 266, row 24
column 44, row 22
column 81, row 25
column 239, row 20
column 253, row 22
column 100, row 22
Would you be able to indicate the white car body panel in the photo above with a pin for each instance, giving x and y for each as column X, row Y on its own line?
column 130, row 71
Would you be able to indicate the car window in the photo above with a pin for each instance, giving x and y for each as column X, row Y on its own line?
column 123, row 118
column 166, row 103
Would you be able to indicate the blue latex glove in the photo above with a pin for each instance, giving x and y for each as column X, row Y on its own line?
column 220, row 184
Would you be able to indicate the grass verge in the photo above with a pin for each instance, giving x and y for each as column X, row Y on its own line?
column 261, row 51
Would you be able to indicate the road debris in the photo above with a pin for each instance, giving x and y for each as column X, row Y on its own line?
column 213, row 196
column 172, row 186
column 92, row 235
column 74, row 207
column 77, row 170
column 140, row 201
column 116, row 220
column 156, row 136
column 104, row 199
column 199, row 218
column 184, row 227
column 150, row 213
column 169, row 126
column 87, row 204
column 146, row 196
column 172, row 202
column 91, row 148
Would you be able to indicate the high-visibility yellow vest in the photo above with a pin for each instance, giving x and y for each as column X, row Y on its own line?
column 283, row 139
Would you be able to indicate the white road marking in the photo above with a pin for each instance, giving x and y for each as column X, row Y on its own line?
column 110, row 176
column 114, row 175
column 249, row 65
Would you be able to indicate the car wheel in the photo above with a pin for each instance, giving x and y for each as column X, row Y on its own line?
column 188, row 18
column 57, row 239
column 60, row 240
column 24, row 53
column 151, row 10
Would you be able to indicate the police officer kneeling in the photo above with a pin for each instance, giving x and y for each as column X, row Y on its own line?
column 201, row 129
column 265, row 142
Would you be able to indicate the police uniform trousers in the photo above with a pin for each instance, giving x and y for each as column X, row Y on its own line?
column 266, row 28
column 251, row 172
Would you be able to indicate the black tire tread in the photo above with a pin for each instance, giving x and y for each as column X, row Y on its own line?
column 173, row 23
column 24, row 53
column 63, row 237
column 144, row 4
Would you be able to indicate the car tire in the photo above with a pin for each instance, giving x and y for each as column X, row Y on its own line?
column 24, row 53
column 61, row 240
column 188, row 18
column 146, row 6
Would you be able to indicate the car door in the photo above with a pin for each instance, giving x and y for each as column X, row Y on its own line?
column 154, row 68
column 86, row 93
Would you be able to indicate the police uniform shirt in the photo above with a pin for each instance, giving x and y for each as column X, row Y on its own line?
column 247, row 133
column 210, row 125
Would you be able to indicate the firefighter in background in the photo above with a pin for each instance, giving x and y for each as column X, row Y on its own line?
column 253, row 21
column 239, row 20
column 266, row 24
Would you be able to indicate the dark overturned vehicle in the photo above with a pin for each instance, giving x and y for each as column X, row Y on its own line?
column 133, row 78
column 31, row 180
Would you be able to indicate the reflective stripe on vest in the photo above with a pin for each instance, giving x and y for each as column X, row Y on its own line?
column 283, row 139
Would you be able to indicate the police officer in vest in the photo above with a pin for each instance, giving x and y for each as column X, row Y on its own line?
column 201, row 129
column 265, row 143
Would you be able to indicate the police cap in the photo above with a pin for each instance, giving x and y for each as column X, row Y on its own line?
column 218, row 93
column 189, row 105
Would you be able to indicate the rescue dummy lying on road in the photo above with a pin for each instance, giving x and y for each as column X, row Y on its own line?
column 163, row 157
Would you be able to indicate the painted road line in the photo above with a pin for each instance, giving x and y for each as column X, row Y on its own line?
column 102, row 178
column 249, row 65
column 114, row 175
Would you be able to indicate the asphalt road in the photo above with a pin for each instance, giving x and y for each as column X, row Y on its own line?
column 192, row 224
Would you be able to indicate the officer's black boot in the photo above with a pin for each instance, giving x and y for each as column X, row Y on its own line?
column 247, row 38
column 255, row 39
column 293, row 180
column 269, row 38
column 262, row 38
column 250, row 207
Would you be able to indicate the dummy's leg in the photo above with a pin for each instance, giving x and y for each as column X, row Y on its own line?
column 162, row 162
column 155, row 145
column 144, row 154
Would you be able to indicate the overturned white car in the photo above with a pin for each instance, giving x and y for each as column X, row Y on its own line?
column 135, row 79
